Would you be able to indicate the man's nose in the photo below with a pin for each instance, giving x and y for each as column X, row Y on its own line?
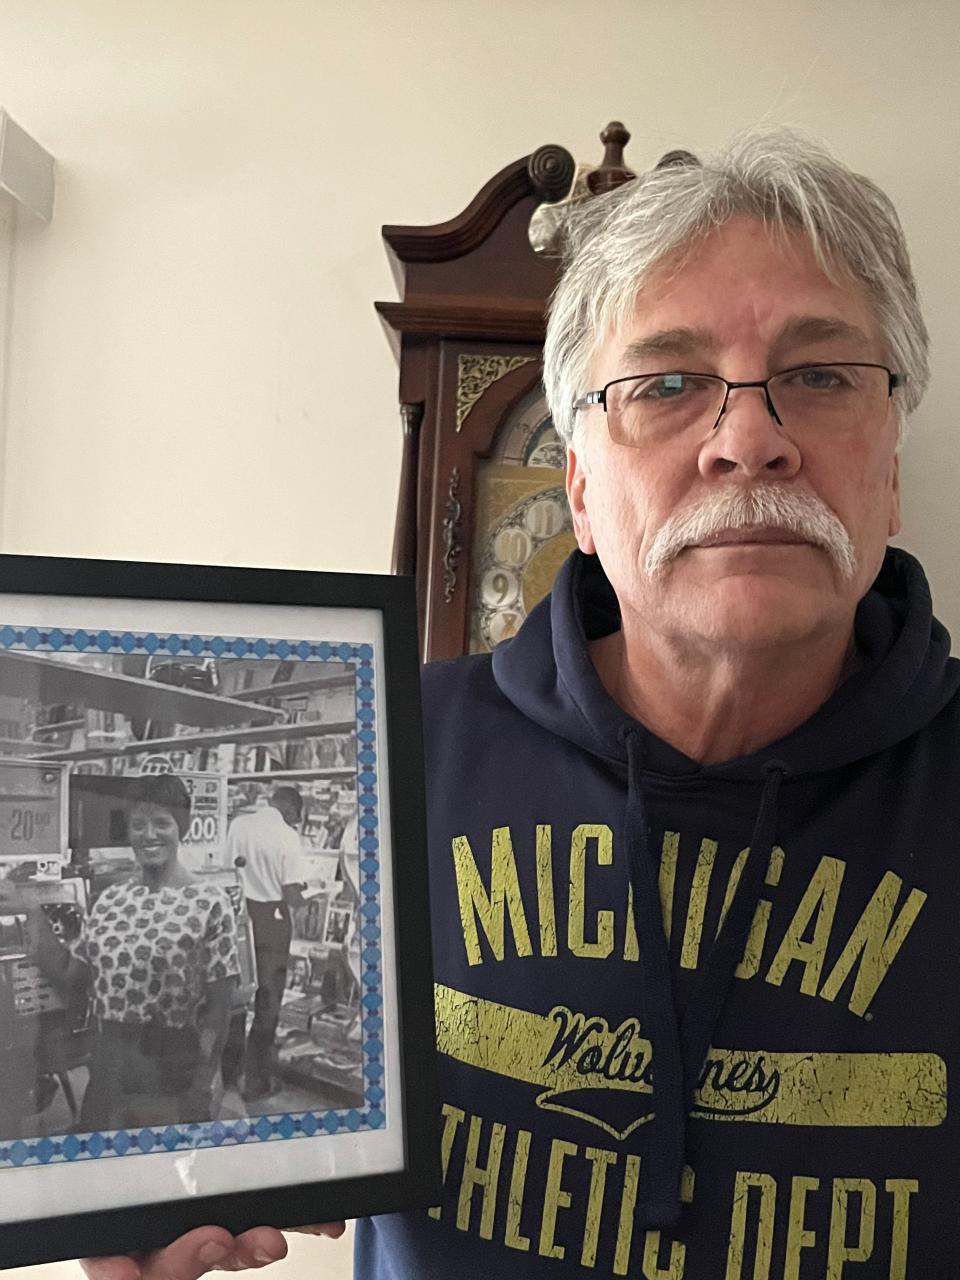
column 748, row 441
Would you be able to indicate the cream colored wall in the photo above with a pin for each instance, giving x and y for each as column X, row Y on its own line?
column 195, row 370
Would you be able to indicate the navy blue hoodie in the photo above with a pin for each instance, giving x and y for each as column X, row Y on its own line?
column 693, row 1021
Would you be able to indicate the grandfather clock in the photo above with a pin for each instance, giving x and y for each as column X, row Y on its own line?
column 482, row 518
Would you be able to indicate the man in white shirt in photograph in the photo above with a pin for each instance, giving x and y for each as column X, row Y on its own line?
column 265, row 845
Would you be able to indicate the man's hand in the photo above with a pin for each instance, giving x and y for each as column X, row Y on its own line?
column 205, row 1249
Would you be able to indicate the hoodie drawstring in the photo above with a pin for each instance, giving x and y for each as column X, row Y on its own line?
column 720, row 965
column 659, row 1201
column 680, row 1049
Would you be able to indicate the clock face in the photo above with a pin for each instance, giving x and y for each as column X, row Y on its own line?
column 523, row 527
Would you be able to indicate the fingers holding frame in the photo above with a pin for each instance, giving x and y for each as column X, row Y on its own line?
column 193, row 1255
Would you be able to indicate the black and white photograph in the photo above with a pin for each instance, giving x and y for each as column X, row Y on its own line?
column 211, row 816
column 196, row 898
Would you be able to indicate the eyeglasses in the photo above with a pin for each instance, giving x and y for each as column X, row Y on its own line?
column 649, row 407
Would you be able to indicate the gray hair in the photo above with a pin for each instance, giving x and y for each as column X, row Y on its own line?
column 613, row 242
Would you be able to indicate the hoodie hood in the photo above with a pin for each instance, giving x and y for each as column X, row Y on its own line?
column 904, row 679
column 691, row 1020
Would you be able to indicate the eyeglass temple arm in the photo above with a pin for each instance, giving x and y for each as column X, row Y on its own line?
column 591, row 398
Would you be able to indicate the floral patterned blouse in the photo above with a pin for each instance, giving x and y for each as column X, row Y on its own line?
column 152, row 954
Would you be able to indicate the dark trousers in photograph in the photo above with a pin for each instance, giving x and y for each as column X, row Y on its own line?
column 142, row 1074
column 271, row 946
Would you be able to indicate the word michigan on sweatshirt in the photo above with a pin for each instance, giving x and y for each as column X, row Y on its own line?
column 496, row 909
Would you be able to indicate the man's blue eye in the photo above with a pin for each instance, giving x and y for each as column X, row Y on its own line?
column 671, row 384
column 813, row 379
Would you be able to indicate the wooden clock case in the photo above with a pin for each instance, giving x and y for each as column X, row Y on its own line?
column 468, row 335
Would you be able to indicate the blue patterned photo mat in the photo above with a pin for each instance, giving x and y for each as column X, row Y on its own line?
column 372, row 1115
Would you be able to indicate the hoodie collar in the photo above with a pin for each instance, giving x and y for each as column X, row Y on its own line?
column 904, row 679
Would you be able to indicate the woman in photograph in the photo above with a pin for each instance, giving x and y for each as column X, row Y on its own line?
column 159, row 957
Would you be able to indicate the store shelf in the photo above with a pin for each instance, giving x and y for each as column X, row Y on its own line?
column 294, row 775
column 21, row 747
column 307, row 948
column 294, row 688
column 260, row 736
column 60, row 726
column 50, row 681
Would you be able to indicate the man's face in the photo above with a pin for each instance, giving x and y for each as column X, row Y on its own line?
column 288, row 811
column 744, row 306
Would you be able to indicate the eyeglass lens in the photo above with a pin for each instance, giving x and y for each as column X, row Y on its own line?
column 824, row 397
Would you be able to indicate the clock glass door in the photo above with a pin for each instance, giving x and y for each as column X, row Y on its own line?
column 523, row 531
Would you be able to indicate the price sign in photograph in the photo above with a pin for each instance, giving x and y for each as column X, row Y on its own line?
column 33, row 811
column 206, row 836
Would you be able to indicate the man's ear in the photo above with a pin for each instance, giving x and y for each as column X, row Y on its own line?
column 894, row 524
column 576, row 495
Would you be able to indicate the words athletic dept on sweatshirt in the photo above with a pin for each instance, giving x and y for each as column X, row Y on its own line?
column 696, row 1022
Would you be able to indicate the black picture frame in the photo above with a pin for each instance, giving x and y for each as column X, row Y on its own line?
column 132, row 611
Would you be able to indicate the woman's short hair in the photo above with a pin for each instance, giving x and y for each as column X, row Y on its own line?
column 165, row 790
column 613, row 242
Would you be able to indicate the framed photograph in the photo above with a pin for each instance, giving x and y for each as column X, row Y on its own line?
column 216, row 999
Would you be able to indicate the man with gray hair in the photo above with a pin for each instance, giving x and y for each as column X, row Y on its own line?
column 693, row 829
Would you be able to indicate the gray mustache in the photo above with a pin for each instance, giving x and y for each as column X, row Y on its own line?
column 769, row 506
